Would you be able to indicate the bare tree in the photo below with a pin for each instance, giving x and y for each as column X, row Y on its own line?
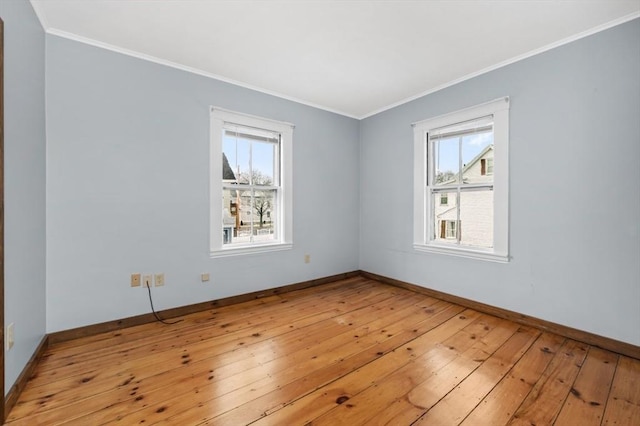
column 261, row 201
column 257, row 178
column 262, row 205
column 445, row 176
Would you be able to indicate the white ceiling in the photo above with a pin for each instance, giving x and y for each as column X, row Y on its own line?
column 351, row 57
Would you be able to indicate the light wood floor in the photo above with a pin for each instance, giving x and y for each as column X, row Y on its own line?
column 347, row 353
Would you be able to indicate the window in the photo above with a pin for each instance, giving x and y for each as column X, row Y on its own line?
column 448, row 229
column 462, row 158
column 486, row 166
column 251, row 165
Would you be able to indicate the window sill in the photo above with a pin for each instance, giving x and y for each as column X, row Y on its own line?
column 253, row 249
column 463, row 252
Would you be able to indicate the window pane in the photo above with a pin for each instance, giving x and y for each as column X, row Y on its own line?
column 263, row 215
column 245, row 227
column 476, row 218
column 446, row 153
column 231, row 210
column 477, row 149
column 444, row 216
column 264, row 157
column 237, row 151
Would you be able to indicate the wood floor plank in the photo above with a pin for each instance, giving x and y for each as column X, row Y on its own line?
column 319, row 393
column 215, row 333
column 258, row 314
column 409, row 407
column 292, row 367
column 226, row 344
column 458, row 403
column 623, row 405
column 107, row 338
column 544, row 402
column 500, row 404
column 352, row 352
column 450, row 360
column 369, row 355
column 588, row 397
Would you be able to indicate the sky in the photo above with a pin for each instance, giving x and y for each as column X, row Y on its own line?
column 448, row 150
column 238, row 153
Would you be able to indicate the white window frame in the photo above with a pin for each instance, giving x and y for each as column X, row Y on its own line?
column 422, row 201
column 284, row 239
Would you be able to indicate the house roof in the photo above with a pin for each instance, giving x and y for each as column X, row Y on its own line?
column 477, row 158
column 470, row 163
column 227, row 171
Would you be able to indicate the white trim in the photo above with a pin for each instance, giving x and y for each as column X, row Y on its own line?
column 53, row 31
column 465, row 114
column 197, row 71
column 510, row 61
column 239, row 251
column 423, row 226
column 462, row 252
column 249, row 120
column 284, row 227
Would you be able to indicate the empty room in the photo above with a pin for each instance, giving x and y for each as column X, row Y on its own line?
column 316, row 212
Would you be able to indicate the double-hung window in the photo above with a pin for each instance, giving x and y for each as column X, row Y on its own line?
column 251, row 165
column 462, row 157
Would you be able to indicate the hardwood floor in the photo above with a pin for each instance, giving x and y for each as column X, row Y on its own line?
column 347, row 353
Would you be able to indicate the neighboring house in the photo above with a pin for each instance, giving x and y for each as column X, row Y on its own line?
column 230, row 219
column 475, row 225
column 238, row 213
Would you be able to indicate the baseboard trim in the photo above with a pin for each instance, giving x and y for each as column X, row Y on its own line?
column 28, row 370
column 90, row 330
column 562, row 330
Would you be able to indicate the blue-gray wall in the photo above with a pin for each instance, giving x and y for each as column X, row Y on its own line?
column 125, row 171
column 24, row 180
column 127, row 187
column 574, row 184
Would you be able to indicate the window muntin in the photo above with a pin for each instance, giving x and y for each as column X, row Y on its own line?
column 463, row 158
column 250, row 184
column 459, row 153
column 252, row 155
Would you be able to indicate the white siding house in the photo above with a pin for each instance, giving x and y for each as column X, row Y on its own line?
column 475, row 224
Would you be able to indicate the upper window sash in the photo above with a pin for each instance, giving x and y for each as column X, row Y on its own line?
column 466, row 128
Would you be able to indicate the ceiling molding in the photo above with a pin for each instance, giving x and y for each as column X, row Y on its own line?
column 515, row 59
column 149, row 58
column 38, row 8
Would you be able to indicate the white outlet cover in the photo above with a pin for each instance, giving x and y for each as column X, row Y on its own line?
column 159, row 280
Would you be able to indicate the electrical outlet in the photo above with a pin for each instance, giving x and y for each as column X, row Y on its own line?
column 159, row 278
column 204, row 277
column 307, row 258
column 10, row 336
column 146, row 280
column 135, row 280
